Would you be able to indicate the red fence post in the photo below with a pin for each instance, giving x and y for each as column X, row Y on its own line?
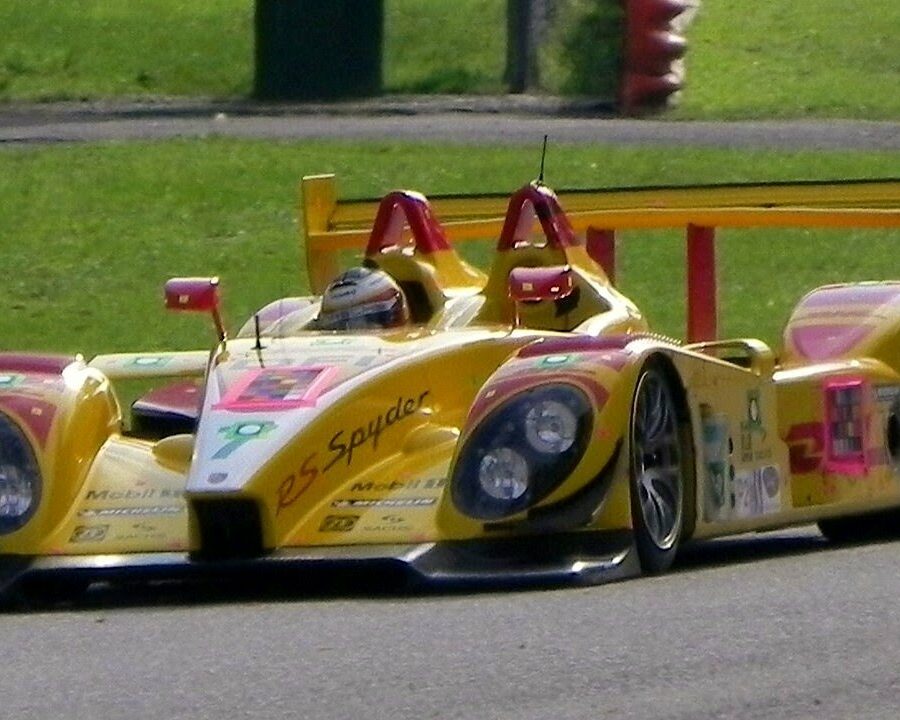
column 702, row 312
column 650, row 72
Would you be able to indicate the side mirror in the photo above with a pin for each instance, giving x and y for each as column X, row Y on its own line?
column 540, row 283
column 196, row 295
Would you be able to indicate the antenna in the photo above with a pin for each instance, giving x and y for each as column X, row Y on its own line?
column 543, row 156
column 258, row 345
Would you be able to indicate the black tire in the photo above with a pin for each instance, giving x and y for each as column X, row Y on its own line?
column 48, row 591
column 862, row 528
column 657, row 469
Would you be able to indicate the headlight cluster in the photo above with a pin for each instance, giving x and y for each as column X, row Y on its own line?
column 20, row 478
column 522, row 451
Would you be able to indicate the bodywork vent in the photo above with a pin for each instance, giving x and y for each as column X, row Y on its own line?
column 228, row 528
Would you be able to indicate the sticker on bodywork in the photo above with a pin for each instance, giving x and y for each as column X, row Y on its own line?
column 278, row 388
column 719, row 491
column 757, row 492
column 10, row 381
column 241, row 433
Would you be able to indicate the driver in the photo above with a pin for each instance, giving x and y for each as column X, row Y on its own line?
column 362, row 298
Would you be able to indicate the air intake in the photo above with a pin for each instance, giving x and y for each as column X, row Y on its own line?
column 228, row 529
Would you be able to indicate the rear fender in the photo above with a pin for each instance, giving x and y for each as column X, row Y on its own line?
column 836, row 322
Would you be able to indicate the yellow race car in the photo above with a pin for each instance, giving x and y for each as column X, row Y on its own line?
column 521, row 424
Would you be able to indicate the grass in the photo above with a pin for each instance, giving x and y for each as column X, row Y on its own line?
column 76, row 49
column 765, row 58
column 73, row 49
column 805, row 58
column 91, row 232
column 445, row 47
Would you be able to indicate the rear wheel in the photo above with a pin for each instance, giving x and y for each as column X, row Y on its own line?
column 657, row 470
column 862, row 528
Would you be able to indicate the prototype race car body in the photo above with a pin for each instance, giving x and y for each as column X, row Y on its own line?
column 696, row 440
column 526, row 424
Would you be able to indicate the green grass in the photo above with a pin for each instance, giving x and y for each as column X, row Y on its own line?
column 817, row 58
column 91, row 232
column 444, row 47
column 73, row 49
column 764, row 58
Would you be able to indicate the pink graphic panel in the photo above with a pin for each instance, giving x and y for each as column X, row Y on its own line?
column 278, row 388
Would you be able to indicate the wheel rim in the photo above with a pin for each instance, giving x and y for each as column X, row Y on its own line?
column 657, row 460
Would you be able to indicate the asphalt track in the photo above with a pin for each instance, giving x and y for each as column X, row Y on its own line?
column 461, row 120
column 760, row 627
column 757, row 628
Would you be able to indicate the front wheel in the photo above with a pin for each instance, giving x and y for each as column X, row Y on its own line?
column 657, row 470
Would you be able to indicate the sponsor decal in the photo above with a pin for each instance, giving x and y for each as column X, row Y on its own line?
column 343, row 443
column 89, row 533
column 238, row 434
column 333, row 341
column 751, row 427
column 757, row 492
column 554, row 360
column 806, row 444
column 133, row 511
column 147, row 494
column 139, row 531
column 295, row 484
column 338, row 523
column 416, row 502
column 10, row 381
column 217, row 478
column 394, row 485
column 342, row 446
column 389, row 523
column 278, row 388
column 719, row 493
column 149, row 361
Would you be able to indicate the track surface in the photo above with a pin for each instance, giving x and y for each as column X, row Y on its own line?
column 470, row 121
column 759, row 627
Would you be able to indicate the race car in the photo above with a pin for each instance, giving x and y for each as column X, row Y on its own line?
column 522, row 424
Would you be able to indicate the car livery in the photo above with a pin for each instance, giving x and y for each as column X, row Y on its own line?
column 527, row 425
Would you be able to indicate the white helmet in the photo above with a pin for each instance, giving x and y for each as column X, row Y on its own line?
column 362, row 298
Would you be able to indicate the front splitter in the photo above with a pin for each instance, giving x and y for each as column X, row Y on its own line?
column 563, row 559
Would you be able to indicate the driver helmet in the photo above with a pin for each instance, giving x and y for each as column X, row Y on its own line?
column 362, row 298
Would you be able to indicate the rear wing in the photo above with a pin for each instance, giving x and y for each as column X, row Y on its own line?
column 330, row 225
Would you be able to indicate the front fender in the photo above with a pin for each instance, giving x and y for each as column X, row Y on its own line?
column 65, row 413
column 605, row 371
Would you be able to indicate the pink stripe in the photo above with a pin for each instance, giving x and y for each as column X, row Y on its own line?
column 577, row 343
column 872, row 295
column 41, row 364
column 826, row 342
column 36, row 415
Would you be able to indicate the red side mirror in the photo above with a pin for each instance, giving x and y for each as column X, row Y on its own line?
column 192, row 294
column 540, row 283
column 196, row 295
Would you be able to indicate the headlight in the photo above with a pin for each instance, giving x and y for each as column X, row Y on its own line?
column 521, row 452
column 550, row 426
column 503, row 474
column 20, row 478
